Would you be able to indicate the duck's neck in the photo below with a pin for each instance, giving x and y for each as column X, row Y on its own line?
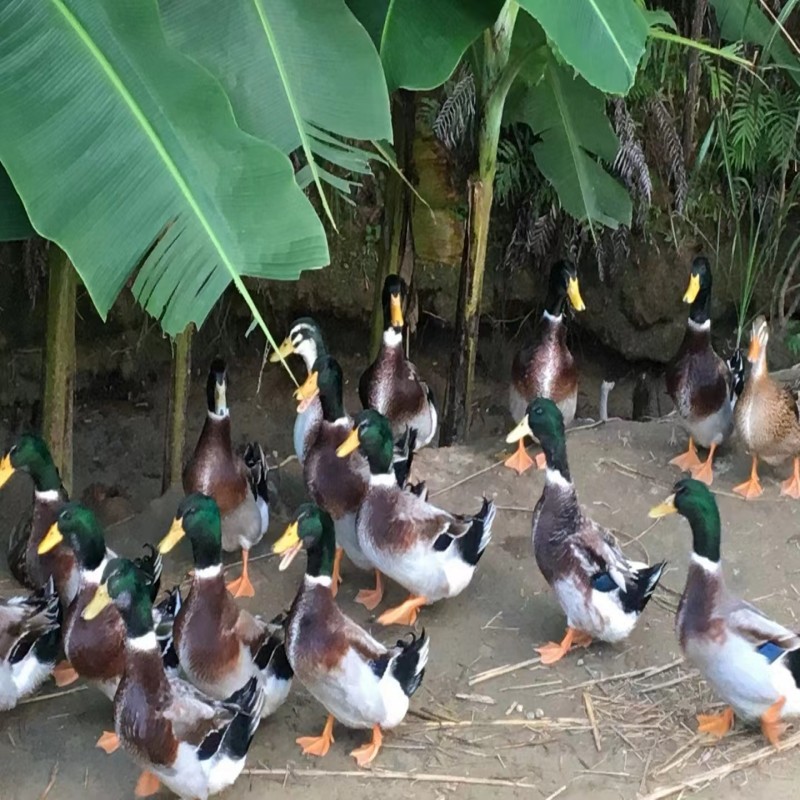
column 217, row 432
column 320, row 557
column 46, row 479
column 759, row 369
column 554, row 302
column 92, row 567
column 393, row 338
column 555, row 453
column 700, row 310
column 138, row 618
column 380, row 458
column 330, row 399
column 705, row 524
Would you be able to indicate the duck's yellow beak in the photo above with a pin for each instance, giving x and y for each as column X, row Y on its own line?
column 574, row 295
column 52, row 538
column 349, row 444
column 754, row 351
column 289, row 545
column 6, row 470
column 307, row 392
column 692, row 290
column 663, row 509
column 286, row 349
column 174, row 535
column 521, row 431
column 100, row 600
column 396, row 311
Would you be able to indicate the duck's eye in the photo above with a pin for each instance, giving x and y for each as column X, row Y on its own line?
column 538, row 412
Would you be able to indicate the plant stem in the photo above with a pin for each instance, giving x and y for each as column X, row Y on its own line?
column 492, row 89
column 692, row 82
column 59, row 361
column 175, row 438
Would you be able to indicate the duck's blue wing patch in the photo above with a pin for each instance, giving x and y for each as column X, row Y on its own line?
column 771, row 651
column 603, row 582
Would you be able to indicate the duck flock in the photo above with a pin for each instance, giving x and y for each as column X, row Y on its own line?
column 192, row 674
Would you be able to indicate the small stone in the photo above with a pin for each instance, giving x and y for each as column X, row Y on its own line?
column 579, row 662
column 519, row 708
column 539, row 713
column 530, row 715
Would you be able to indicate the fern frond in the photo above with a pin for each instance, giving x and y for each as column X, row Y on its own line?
column 671, row 149
column 457, row 112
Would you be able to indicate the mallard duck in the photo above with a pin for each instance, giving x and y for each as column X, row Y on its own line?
column 219, row 645
column 31, row 455
column 392, row 384
column 238, row 484
column 547, row 368
column 767, row 419
column 430, row 552
column 305, row 340
column 700, row 383
column 601, row 590
column 30, row 636
column 195, row 745
column 751, row 661
column 361, row 683
column 95, row 649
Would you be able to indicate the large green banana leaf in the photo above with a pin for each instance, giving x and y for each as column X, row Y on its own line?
column 602, row 39
column 569, row 117
column 14, row 222
column 294, row 70
column 125, row 152
column 422, row 41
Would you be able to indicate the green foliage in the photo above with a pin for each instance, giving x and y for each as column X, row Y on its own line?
column 14, row 222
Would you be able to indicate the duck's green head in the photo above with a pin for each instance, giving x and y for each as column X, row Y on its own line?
column 78, row 528
column 694, row 501
column 325, row 381
column 393, row 297
column 545, row 423
column 30, row 454
column 126, row 586
column 372, row 434
column 311, row 530
column 563, row 285
column 698, row 292
column 217, row 387
column 199, row 520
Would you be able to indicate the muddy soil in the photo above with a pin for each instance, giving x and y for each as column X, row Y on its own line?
column 566, row 731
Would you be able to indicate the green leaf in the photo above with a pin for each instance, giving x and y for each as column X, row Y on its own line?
column 658, row 17
column 127, row 155
column 569, row 117
column 422, row 41
column 743, row 20
column 14, row 222
column 602, row 39
column 288, row 67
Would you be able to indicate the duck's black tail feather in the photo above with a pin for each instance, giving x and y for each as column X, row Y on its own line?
column 420, row 489
column 736, row 367
column 644, row 584
column 257, row 466
column 404, row 456
column 472, row 544
column 408, row 666
column 271, row 655
column 164, row 620
column 151, row 565
column 44, row 637
column 249, row 701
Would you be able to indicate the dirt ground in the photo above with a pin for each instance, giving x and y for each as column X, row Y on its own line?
column 614, row 721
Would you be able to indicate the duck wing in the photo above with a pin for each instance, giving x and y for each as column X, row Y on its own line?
column 751, row 624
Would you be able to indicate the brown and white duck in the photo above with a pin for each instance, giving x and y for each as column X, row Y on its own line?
column 31, row 455
column 361, row 683
column 547, row 368
column 192, row 744
column 238, row 484
column 767, row 419
column 392, row 384
column 219, row 645
column 700, row 383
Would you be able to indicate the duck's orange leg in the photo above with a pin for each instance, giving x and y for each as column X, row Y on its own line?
column 64, row 674
column 109, row 742
column 705, row 471
column 552, row 651
column 366, row 753
column 520, row 461
column 318, row 745
column 791, row 487
column 688, row 460
column 750, row 488
column 147, row 785
column 371, row 598
column 404, row 614
column 771, row 724
column 717, row 725
column 241, row 587
column 336, row 574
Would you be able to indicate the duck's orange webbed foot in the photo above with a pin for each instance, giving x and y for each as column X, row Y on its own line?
column 688, row 460
column 371, row 598
column 716, row 725
column 404, row 614
column 791, row 487
column 366, row 753
column 318, row 745
column 552, row 651
column 771, row 724
column 520, row 461
column 750, row 488
column 705, row 472
column 241, row 587
column 108, row 742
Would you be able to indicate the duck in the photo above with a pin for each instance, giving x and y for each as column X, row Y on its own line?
column 361, row 683
column 95, row 650
column 392, row 384
column 547, row 368
column 219, row 645
column 751, row 661
column 194, row 745
column 432, row 553
column 31, row 455
column 601, row 591
column 767, row 419
column 702, row 386
column 305, row 340
column 237, row 483
column 30, row 641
